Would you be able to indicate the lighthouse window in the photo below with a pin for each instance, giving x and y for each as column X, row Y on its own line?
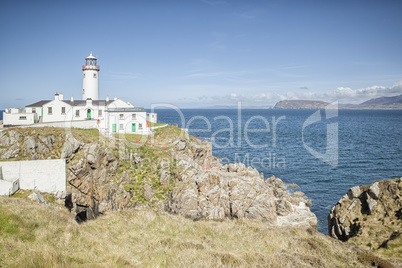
column 49, row 110
column 63, row 110
column 23, row 118
column 84, row 75
column 140, row 126
column 121, row 127
column 94, row 75
column 121, row 116
column 133, row 116
column 99, row 113
column 77, row 113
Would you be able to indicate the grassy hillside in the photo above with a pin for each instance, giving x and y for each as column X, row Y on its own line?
column 33, row 235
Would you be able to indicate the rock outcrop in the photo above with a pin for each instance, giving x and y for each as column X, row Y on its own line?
column 369, row 216
column 174, row 173
column 9, row 144
column 207, row 189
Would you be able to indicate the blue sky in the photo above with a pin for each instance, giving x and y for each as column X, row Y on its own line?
column 200, row 53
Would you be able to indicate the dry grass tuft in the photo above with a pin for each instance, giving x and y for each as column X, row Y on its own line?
column 33, row 235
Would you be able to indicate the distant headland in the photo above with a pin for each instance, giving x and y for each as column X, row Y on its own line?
column 394, row 102
column 302, row 104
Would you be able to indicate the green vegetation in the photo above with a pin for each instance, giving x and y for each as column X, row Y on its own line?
column 33, row 235
column 138, row 138
column 151, row 124
column 91, row 132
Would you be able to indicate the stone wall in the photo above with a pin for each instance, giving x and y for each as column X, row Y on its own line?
column 44, row 175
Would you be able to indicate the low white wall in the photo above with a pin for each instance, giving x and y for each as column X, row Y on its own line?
column 8, row 187
column 44, row 175
column 69, row 124
column 15, row 119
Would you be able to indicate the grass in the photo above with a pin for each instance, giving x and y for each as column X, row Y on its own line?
column 151, row 124
column 33, row 235
column 133, row 137
column 91, row 132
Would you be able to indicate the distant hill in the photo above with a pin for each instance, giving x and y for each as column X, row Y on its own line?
column 302, row 104
column 394, row 102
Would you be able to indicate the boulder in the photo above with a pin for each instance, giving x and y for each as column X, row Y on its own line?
column 30, row 146
column 164, row 176
column 48, row 141
column 180, row 144
column 135, row 158
column 12, row 152
column 354, row 192
column 148, row 193
column 37, row 197
column 71, row 146
column 369, row 216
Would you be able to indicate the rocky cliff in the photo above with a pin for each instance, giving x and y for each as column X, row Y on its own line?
column 170, row 171
column 371, row 217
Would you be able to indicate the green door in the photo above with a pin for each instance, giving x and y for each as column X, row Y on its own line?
column 89, row 113
column 42, row 112
column 133, row 127
column 114, row 128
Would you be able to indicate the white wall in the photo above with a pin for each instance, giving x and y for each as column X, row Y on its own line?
column 69, row 124
column 36, row 110
column 56, row 114
column 17, row 118
column 90, row 85
column 8, row 187
column 44, row 175
column 71, row 111
column 152, row 117
column 127, row 121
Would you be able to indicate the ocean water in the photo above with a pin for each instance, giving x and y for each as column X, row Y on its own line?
column 324, row 152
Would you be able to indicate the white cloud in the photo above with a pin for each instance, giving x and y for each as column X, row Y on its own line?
column 348, row 95
column 341, row 94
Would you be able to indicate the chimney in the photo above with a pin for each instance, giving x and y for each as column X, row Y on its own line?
column 72, row 98
column 107, row 98
column 56, row 96
column 61, row 96
column 89, row 102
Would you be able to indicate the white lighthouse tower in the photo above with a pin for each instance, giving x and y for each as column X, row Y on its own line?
column 90, row 84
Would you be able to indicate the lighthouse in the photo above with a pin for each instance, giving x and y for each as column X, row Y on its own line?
column 90, row 84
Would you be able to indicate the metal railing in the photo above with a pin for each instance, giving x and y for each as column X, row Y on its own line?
column 91, row 67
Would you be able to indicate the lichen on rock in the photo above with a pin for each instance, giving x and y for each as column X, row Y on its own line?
column 370, row 216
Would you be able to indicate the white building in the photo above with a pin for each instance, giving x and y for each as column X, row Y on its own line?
column 111, row 116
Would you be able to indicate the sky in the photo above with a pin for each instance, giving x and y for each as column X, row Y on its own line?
column 202, row 53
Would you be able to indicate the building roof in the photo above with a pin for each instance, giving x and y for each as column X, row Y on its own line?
column 133, row 109
column 90, row 56
column 74, row 103
column 39, row 103
column 84, row 102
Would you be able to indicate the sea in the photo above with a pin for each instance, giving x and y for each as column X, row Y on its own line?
column 324, row 152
